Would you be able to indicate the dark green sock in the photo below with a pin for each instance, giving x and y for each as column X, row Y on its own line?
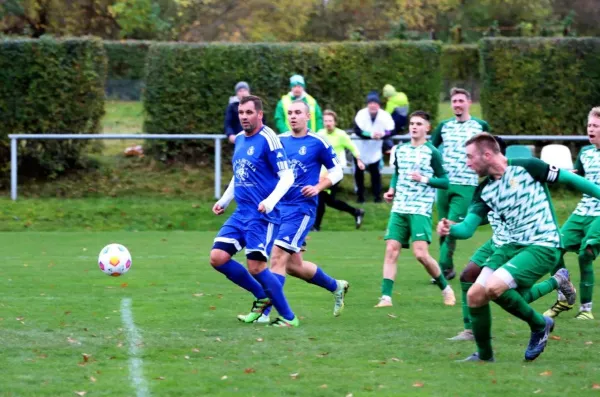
column 515, row 304
column 586, row 283
column 387, row 286
column 539, row 290
column 447, row 254
column 464, row 288
column 441, row 281
column 481, row 319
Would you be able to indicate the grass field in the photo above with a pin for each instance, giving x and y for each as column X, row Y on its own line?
column 65, row 327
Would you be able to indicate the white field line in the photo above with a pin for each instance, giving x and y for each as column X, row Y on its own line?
column 134, row 340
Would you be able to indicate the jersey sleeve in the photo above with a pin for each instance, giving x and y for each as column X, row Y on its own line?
column 478, row 206
column 440, row 179
column 327, row 156
column 485, row 126
column 276, row 157
column 579, row 165
column 538, row 169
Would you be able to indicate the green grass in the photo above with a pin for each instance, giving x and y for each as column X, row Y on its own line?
column 122, row 117
column 57, row 305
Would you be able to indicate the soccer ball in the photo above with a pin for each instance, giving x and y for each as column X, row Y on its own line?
column 114, row 260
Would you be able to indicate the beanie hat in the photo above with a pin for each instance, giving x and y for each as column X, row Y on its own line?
column 373, row 97
column 297, row 80
column 389, row 91
column 241, row 85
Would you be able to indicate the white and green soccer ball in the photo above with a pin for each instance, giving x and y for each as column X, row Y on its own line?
column 114, row 260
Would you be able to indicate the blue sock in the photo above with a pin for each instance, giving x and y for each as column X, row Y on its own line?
column 275, row 291
column 237, row 273
column 323, row 280
column 282, row 282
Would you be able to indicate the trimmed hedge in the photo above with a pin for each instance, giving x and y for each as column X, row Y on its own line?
column 188, row 85
column 126, row 68
column 460, row 68
column 50, row 86
column 540, row 86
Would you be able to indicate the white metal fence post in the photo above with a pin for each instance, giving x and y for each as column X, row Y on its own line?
column 217, row 168
column 13, row 168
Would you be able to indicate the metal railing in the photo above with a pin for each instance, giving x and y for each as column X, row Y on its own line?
column 217, row 138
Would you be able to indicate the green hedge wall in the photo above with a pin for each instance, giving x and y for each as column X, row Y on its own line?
column 50, row 86
column 126, row 59
column 540, row 86
column 188, row 85
column 460, row 62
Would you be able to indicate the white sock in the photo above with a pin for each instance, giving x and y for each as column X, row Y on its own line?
column 586, row 307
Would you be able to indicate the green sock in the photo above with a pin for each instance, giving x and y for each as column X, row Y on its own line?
column 441, row 281
column 539, row 290
column 515, row 304
column 586, row 283
column 447, row 254
column 464, row 288
column 481, row 319
column 387, row 286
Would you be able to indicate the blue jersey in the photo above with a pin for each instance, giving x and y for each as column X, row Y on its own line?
column 256, row 162
column 306, row 156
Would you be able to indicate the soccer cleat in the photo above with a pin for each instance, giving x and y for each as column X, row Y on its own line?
column 538, row 340
column 557, row 308
column 466, row 334
column 358, row 218
column 263, row 319
column 449, row 298
column 258, row 308
column 584, row 315
column 475, row 358
column 339, row 295
column 565, row 286
column 384, row 301
column 281, row 322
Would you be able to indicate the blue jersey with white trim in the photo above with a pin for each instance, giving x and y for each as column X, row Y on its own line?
column 306, row 155
column 256, row 161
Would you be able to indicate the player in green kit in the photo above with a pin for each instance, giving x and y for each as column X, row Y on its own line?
column 453, row 203
column 516, row 191
column 418, row 171
column 581, row 232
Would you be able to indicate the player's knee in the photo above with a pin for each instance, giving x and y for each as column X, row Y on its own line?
column 494, row 289
column 392, row 247
column 421, row 253
column 586, row 256
column 256, row 266
column 218, row 257
column 476, row 296
column 470, row 273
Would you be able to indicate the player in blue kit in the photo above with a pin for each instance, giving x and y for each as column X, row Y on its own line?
column 261, row 177
column 307, row 153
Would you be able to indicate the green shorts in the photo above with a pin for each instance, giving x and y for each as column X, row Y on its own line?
column 525, row 263
column 580, row 232
column 408, row 227
column 453, row 203
column 483, row 253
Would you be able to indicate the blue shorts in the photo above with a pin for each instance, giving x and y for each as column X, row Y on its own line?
column 256, row 235
column 293, row 230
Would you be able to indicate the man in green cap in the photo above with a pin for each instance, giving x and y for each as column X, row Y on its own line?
column 297, row 86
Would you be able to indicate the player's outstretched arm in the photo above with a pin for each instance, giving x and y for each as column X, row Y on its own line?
column 225, row 199
column 286, row 180
column 465, row 229
column 579, row 183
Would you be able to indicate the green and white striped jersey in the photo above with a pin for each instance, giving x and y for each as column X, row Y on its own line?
column 521, row 200
column 413, row 197
column 588, row 166
column 499, row 235
column 453, row 135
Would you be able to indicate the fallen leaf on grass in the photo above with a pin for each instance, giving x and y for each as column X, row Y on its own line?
column 395, row 359
column 322, row 355
column 554, row 337
column 323, row 387
column 86, row 357
column 589, row 343
column 124, row 285
column 349, row 395
column 546, row 373
column 195, row 350
column 417, row 384
column 67, row 312
column 160, row 378
column 249, row 371
column 71, row 340
column 259, row 339
column 92, row 379
column 595, row 386
column 20, row 318
column 186, row 357
column 223, row 377
column 81, row 393
column 198, row 295
column 294, row 375
column 212, row 308
column 392, row 315
column 537, row 391
column 218, row 339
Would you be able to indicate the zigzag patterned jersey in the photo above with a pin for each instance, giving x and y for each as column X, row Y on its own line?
column 588, row 166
